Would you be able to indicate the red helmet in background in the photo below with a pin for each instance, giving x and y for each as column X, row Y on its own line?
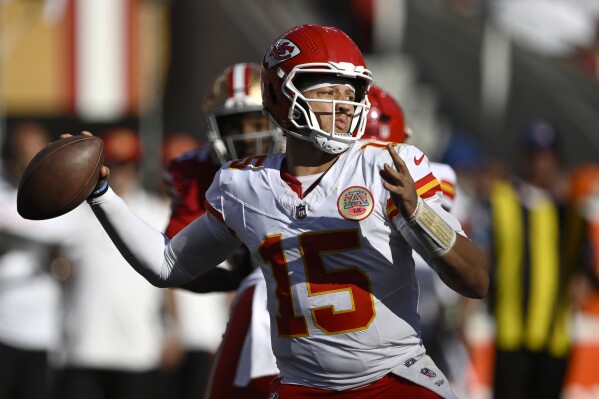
column 386, row 119
column 308, row 52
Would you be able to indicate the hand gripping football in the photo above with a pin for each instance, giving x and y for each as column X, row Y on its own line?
column 60, row 177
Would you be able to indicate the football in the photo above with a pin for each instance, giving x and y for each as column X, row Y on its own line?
column 60, row 177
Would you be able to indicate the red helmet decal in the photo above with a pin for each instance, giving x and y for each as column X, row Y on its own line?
column 281, row 51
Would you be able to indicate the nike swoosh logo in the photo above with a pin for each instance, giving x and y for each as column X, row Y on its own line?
column 417, row 161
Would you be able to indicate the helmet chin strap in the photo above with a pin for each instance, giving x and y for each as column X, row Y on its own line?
column 321, row 142
column 328, row 144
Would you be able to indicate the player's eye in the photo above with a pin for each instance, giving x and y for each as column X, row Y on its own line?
column 327, row 93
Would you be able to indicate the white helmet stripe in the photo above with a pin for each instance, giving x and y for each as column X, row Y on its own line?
column 239, row 80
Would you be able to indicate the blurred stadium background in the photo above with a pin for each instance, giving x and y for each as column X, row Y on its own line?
column 477, row 68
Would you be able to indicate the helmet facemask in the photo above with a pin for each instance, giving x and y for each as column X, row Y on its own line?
column 303, row 118
column 236, row 126
column 229, row 141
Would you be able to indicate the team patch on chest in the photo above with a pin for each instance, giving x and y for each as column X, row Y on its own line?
column 355, row 203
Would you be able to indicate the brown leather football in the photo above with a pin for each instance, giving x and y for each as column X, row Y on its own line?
column 60, row 177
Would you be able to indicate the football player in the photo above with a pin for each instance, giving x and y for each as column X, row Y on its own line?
column 236, row 128
column 331, row 222
column 245, row 365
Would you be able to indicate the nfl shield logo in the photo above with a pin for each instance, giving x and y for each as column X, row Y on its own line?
column 300, row 211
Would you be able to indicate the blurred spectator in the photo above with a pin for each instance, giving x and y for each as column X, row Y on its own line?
column 29, row 294
column 529, row 291
column 115, row 327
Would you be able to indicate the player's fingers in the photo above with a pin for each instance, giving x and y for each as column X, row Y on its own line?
column 83, row 133
column 399, row 163
column 104, row 172
column 103, row 178
column 393, row 188
column 391, row 175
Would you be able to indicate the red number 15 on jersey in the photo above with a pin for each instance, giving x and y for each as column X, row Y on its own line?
column 320, row 280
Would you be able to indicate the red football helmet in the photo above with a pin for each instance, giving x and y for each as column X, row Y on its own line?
column 234, row 94
column 311, row 51
column 386, row 119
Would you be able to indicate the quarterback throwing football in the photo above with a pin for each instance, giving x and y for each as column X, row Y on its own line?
column 331, row 222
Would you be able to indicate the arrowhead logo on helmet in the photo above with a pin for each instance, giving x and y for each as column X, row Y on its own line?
column 281, row 51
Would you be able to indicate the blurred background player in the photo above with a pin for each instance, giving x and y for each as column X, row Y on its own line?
column 237, row 129
column 29, row 293
column 386, row 121
column 115, row 323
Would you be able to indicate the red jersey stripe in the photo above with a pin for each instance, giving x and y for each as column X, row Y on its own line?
column 424, row 181
column 209, row 208
column 448, row 189
column 427, row 186
column 391, row 210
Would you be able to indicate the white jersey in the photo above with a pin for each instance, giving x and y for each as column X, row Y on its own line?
column 342, row 292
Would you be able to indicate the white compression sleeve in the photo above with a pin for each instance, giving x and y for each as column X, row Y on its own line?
column 203, row 244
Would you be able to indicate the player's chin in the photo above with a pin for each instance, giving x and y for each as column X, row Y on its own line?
column 341, row 126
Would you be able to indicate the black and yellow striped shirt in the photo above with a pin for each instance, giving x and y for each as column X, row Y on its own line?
column 529, row 276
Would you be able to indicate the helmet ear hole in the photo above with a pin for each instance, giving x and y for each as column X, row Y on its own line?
column 361, row 89
column 298, row 116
